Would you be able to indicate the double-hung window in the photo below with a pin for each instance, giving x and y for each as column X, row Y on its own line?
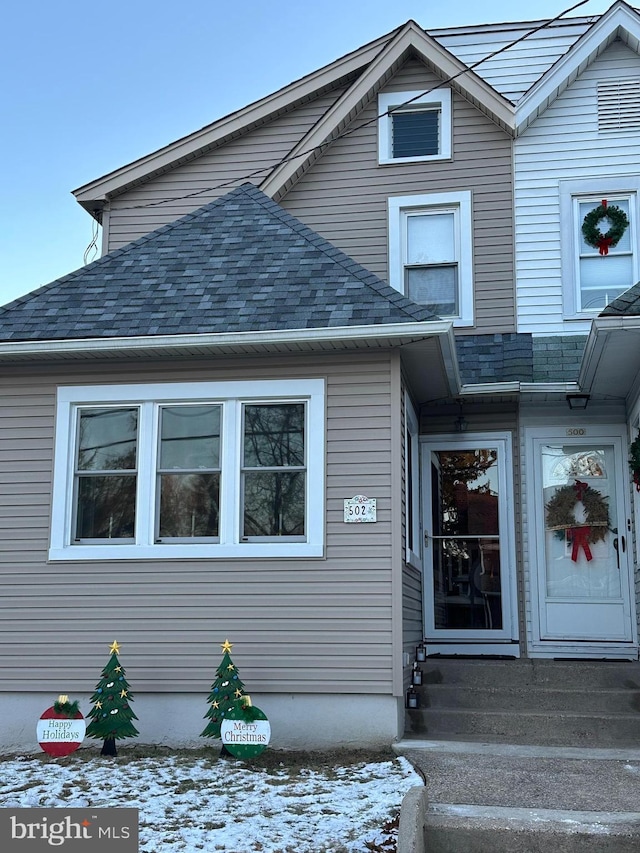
column 430, row 253
column 592, row 280
column 203, row 469
column 414, row 127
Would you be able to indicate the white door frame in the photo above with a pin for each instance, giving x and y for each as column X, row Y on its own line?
column 478, row 641
column 534, row 438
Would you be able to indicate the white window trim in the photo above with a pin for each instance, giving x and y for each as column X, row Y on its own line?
column 398, row 206
column 412, row 555
column 602, row 188
column 439, row 99
column 231, row 395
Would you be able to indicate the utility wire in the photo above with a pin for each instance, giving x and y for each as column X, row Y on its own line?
column 320, row 148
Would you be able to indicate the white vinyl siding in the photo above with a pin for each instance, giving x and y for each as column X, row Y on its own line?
column 335, row 613
column 564, row 144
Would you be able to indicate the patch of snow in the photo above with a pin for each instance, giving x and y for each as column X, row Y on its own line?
column 193, row 805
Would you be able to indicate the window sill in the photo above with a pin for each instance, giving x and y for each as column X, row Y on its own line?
column 244, row 550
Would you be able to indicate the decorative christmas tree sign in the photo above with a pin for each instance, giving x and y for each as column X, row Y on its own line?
column 111, row 714
column 225, row 690
column 245, row 731
column 61, row 728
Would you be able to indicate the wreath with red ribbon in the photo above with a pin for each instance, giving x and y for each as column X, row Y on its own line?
column 561, row 517
column 592, row 234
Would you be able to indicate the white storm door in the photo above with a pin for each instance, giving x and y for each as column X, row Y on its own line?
column 581, row 566
column 469, row 553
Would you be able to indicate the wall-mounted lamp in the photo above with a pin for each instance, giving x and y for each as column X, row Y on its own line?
column 577, row 401
column 461, row 425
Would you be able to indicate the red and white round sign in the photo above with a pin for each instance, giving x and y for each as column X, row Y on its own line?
column 59, row 735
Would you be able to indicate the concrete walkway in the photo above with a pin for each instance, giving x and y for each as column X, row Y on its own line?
column 499, row 781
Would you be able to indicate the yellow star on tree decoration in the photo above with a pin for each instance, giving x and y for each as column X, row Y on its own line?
column 226, row 646
column 231, row 666
column 114, row 647
column 98, row 704
column 215, row 704
column 118, row 669
column 238, row 693
column 123, row 693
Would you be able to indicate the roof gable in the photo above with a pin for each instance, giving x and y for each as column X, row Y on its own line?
column 238, row 264
column 621, row 21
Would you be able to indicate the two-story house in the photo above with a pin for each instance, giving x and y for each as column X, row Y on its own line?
column 318, row 395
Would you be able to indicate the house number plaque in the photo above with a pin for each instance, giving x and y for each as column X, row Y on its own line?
column 359, row 509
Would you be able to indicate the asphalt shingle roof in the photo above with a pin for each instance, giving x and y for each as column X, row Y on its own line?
column 627, row 304
column 238, row 264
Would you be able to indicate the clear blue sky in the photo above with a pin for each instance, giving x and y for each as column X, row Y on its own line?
column 89, row 87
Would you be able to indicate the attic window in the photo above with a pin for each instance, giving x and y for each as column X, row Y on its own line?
column 414, row 127
column 619, row 105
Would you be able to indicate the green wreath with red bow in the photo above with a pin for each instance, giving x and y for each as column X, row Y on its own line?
column 593, row 236
column 561, row 517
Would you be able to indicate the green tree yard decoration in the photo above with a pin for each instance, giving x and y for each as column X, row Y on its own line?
column 634, row 461
column 225, row 690
column 111, row 714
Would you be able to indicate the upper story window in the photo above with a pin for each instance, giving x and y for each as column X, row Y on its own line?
column 414, row 127
column 430, row 252
column 592, row 280
column 189, row 470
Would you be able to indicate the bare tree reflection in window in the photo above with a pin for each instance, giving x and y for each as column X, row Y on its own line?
column 274, row 470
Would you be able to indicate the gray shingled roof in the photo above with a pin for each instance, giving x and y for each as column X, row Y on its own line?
column 627, row 304
column 239, row 264
column 519, row 357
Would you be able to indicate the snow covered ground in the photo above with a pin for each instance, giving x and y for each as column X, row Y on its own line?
column 199, row 802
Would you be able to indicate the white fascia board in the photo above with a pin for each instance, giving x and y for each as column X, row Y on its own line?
column 469, row 84
column 619, row 17
column 601, row 328
column 234, row 123
column 393, row 331
column 517, row 387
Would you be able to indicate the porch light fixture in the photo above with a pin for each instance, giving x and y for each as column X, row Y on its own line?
column 461, row 424
column 421, row 653
column 577, row 401
column 416, row 675
column 412, row 699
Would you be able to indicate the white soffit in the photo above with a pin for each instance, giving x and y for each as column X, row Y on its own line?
column 611, row 361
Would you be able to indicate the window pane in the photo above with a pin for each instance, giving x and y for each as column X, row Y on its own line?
column 106, row 507
column 436, row 287
column 190, row 437
column 274, row 503
column 274, row 435
column 431, row 238
column 189, row 505
column 602, row 278
column 585, row 207
column 107, row 439
column 415, row 133
column 468, row 484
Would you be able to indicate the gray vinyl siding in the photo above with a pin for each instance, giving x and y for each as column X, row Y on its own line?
column 322, row 625
column 209, row 176
column 344, row 196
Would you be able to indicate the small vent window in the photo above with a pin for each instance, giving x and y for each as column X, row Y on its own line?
column 415, row 133
column 619, row 104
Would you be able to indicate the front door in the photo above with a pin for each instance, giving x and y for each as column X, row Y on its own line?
column 580, row 547
column 469, row 550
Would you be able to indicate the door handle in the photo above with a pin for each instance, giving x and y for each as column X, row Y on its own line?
column 426, row 539
column 624, row 544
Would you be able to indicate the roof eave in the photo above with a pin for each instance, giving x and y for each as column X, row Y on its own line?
column 348, row 337
column 94, row 194
column 619, row 21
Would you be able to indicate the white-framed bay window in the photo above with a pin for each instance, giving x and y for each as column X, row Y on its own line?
column 430, row 252
column 189, row 470
column 591, row 280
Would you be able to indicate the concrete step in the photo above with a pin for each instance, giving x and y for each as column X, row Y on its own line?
column 528, row 672
column 505, row 798
column 480, row 829
column 463, row 697
column 532, row 727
